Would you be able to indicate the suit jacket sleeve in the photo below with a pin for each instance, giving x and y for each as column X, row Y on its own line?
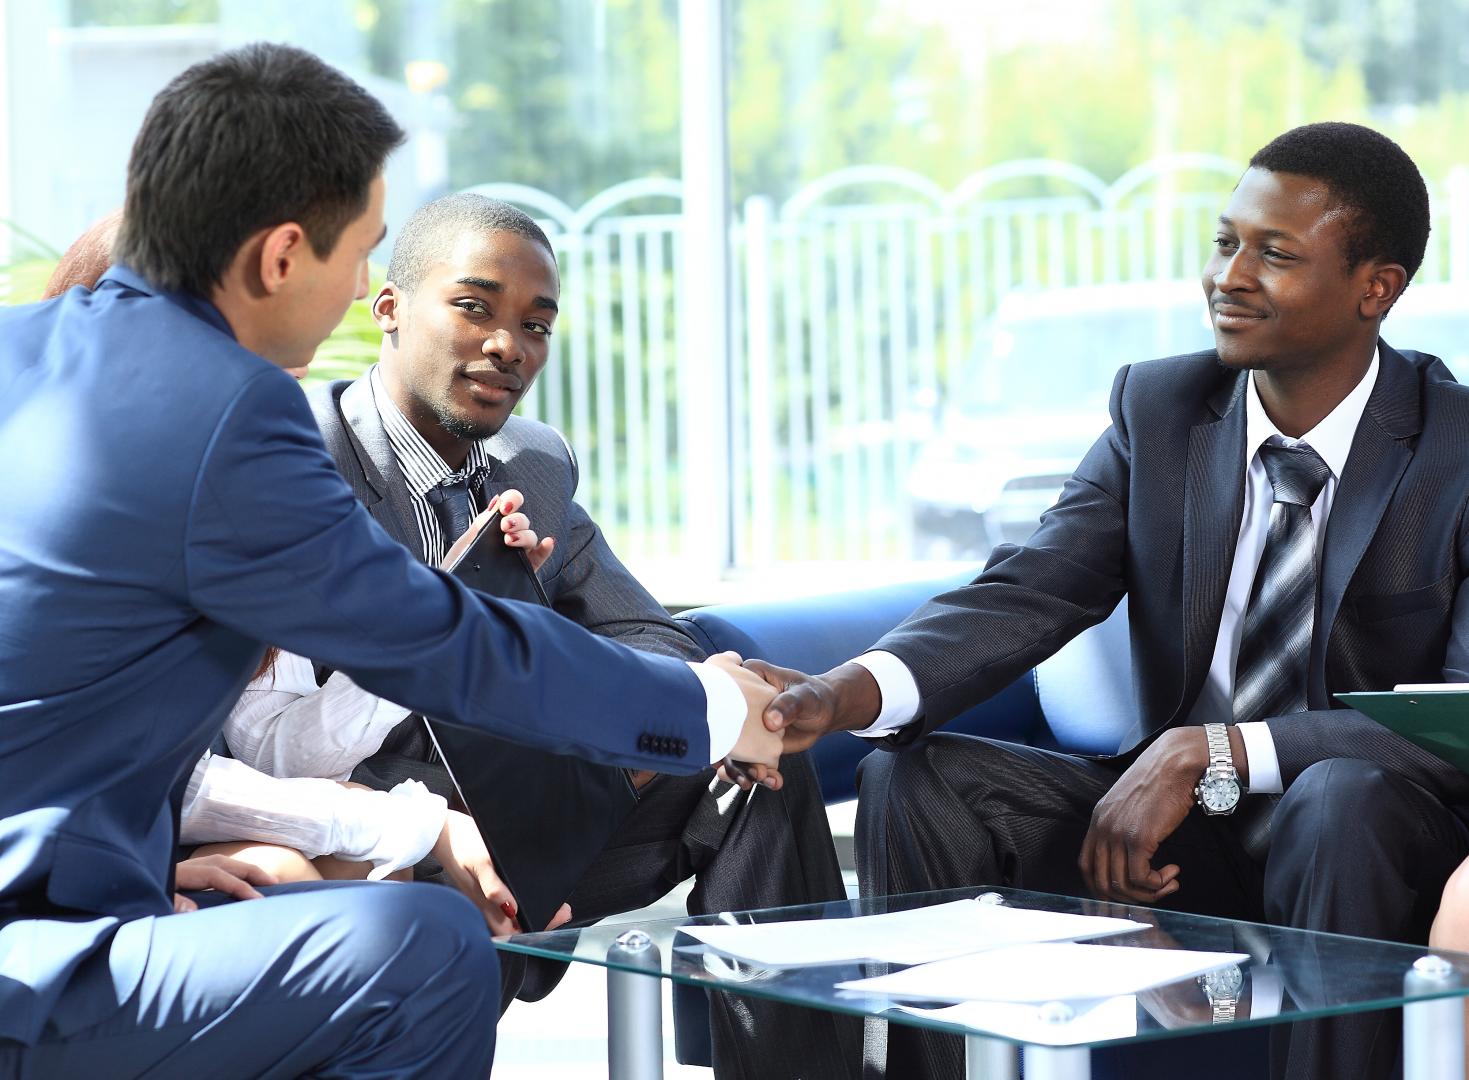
column 280, row 550
column 967, row 644
column 593, row 589
column 1303, row 739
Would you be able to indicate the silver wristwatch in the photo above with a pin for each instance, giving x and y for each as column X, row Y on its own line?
column 1218, row 790
column 1222, row 987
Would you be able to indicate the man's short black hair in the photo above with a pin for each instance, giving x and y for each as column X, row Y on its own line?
column 1372, row 176
column 241, row 142
column 426, row 237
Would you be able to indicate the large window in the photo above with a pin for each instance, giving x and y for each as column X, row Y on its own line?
column 948, row 223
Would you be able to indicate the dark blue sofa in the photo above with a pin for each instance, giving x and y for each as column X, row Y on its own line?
column 1080, row 700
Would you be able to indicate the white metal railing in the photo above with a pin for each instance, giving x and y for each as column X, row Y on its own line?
column 850, row 320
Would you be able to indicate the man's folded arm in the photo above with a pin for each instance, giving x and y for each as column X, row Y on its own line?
column 1303, row 739
column 280, row 550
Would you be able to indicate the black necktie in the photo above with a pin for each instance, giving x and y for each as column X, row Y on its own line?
column 1270, row 675
column 454, row 510
column 450, row 501
column 452, row 505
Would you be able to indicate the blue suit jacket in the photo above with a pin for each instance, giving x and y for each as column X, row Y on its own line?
column 167, row 507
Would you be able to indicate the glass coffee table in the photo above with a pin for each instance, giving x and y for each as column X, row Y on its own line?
column 1289, row 975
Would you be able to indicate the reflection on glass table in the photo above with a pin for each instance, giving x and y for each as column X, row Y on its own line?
column 1242, row 974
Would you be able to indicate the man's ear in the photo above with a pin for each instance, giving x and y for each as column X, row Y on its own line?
column 1384, row 285
column 385, row 308
column 280, row 250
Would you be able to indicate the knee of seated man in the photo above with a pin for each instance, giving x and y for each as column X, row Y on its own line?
column 906, row 780
column 1340, row 801
column 884, row 778
column 419, row 931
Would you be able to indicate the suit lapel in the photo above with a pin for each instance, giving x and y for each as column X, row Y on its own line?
column 1381, row 451
column 495, row 482
column 391, row 508
column 1213, row 503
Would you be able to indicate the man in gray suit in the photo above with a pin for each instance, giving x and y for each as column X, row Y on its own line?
column 1287, row 517
column 466, row 314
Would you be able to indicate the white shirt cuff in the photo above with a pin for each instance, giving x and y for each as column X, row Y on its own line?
column 391, row 830
column 725, row 709
column 1264, row 765
column 900, row 697
column 1267, row 992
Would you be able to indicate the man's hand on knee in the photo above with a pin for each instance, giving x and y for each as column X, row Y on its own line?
column 1144, row 808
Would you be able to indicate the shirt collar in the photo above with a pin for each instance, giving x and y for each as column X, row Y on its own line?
column 422, row 467
column 201, row 308
column 1331, row 438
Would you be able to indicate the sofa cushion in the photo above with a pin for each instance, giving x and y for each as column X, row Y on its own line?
column 1085, row 690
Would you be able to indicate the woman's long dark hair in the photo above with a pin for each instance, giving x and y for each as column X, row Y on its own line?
column 267, row 661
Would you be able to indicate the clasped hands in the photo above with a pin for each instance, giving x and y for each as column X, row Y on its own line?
column 786, row 711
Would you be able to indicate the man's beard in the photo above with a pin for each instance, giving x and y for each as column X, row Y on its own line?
column 1245, row 363
column 461, row 427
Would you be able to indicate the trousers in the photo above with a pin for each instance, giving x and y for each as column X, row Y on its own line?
column 1356, row 849
column 332, row 979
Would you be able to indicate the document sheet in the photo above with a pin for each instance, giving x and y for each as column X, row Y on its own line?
column 902, row 937
column 1114, row 1018
column 1044, row 972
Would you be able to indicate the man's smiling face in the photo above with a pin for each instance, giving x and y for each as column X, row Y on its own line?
column 473, row 334
column 1280, row 292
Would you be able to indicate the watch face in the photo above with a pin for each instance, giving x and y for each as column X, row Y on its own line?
column 1218, row 792
column 1223, row 983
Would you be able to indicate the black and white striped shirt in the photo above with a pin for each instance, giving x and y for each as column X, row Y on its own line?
column 424, row 470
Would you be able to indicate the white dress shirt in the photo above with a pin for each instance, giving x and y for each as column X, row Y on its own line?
column 226, row 800
column 1332, row 440
column 285, row 725
column 291, row 740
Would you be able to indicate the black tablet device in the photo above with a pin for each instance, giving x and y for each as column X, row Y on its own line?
column 544, row 817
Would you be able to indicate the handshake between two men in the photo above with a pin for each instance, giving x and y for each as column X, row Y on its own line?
column 786, row 711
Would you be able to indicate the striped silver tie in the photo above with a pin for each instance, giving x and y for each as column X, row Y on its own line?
column 1275, row 649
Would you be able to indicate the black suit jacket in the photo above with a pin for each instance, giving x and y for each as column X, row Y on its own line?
column 584, row 579
column 1154, row 511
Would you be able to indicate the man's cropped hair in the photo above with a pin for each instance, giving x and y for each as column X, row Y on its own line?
column 244, row 141
column 1372, row 176
column 426, row 237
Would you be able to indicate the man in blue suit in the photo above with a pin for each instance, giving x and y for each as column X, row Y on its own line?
column 164, row 488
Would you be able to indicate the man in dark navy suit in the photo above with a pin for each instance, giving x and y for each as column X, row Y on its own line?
column 168, row 507
column 1288, row 517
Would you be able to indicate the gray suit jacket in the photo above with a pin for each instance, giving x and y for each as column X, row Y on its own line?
column 1153, row 512
column 585, row 581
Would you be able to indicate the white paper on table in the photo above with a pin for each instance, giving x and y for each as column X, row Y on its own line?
column 902, row 937
column 1044, row 972
column 1114, row 1018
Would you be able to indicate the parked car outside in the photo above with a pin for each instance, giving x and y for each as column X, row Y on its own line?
column 1034, row 399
